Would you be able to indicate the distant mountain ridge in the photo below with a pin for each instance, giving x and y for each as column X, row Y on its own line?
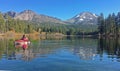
column 11, row 14
column 84, row 18
column 29, row 15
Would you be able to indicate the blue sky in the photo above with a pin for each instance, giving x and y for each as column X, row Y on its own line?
column 63, row 9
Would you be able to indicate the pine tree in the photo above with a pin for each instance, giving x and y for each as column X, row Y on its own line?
column 118, row 23
column 101, row 24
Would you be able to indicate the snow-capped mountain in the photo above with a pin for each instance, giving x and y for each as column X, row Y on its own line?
column 84, row 18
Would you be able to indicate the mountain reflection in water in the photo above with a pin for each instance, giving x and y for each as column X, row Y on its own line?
column 85, row 53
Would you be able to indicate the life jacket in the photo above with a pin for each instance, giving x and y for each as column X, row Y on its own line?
column 25, row 39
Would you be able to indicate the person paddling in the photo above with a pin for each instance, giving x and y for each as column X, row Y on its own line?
column 24, row 38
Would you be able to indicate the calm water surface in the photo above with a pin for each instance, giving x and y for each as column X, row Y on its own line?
column 73, row 54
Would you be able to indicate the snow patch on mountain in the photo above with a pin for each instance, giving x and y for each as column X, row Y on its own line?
column 84, row 18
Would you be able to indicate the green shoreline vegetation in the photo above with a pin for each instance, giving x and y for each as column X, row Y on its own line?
column 109, row 26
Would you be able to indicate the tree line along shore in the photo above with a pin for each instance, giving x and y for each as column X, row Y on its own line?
column 107, row 26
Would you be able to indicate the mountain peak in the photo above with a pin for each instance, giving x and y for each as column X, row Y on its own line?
column 26, row 15
column 86, row 14
column 84, row 18
column 28, row 11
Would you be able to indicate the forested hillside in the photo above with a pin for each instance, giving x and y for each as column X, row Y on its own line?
column 20, row 26
column 106, row 26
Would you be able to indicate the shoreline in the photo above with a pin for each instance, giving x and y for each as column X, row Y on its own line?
column 44, row 34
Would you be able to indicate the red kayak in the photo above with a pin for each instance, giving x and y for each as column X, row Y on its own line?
column 18, row 42
column 22, row 43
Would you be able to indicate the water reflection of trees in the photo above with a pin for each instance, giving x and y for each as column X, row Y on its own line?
column 111, row 46
column 6, row 48
column 86, row 48
column 36, row 49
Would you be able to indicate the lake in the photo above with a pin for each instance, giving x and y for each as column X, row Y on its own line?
column 64, row 54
